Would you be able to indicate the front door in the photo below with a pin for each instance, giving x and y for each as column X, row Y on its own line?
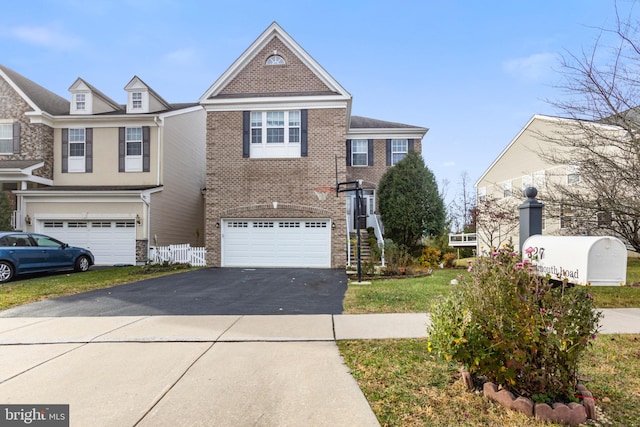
column 367, row 211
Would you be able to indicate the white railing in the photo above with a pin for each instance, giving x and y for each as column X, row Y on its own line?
column 178, row 254
column 377, row 229
column 348, row 241
column 463, row 239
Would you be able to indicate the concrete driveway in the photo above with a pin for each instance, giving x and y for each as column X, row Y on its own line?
column 209, row 291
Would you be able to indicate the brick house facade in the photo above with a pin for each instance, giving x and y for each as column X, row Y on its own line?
column 264, row 190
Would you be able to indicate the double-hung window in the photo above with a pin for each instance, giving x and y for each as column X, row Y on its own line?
column 359, row 152
column 133, row 150
column 81, row 101
column 275, row 133
column 399, row 149
column 573, row 174
column 136, row 100
column 76, row 157
column 6, row 138
column 506, row 189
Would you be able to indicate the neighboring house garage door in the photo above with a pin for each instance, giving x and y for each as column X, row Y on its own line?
column 111, row 242
column 276, row 243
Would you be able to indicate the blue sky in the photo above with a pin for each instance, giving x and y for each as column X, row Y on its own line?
column 473, row 72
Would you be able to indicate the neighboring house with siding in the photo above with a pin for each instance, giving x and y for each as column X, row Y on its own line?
column 114, row 178
column 278, row 127
column 524, row 163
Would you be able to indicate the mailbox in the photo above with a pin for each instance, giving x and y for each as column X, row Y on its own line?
column 582, row 260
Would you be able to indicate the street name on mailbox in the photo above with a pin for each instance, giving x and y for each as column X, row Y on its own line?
column 581, row 260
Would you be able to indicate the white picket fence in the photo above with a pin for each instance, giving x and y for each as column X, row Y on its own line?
column 178, row 254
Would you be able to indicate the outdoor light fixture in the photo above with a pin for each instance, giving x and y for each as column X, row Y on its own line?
column 27, row 219
column 138, row 220
column 333, row 225
column 217, row 225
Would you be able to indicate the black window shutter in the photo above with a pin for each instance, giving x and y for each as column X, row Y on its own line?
column 410, row 145
column 121, row 149
column 65, row 150
column 388, row 152
column 16, row 138
column 348, row 152
column 370, row 152
column 146, row 148
column 246, row 133
column 304, row 147
column 88, row 150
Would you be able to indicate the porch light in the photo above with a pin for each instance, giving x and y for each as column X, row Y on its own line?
column 138, row 220
column 27, row 219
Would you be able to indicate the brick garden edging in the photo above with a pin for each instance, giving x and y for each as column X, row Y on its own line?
column 572, row 414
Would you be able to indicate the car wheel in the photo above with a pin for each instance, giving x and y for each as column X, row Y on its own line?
column 6, row 271
column 82, row 263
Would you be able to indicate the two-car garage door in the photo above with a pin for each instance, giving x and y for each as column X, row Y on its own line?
column 111, row 241
column 276, row 243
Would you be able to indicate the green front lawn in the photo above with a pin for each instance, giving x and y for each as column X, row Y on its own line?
column 417, row 294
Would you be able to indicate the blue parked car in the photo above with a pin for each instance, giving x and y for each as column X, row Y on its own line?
column 22, row 253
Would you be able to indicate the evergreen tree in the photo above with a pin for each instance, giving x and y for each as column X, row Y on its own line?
column 410, row 205
column 5, row 212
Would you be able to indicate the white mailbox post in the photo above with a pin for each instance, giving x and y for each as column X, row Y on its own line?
column 582, row 260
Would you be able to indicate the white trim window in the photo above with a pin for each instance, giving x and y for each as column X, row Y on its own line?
column 359, row 152
column 573, row 174
column 275, row 60
column 399, row 150
column 6, row 138
column 80, row 100
column 482, row 193
column 506, row 189
column 567, row 216
column 136, row 100
column 133, row 150
column 77, row 150
column 527, row 182
column 275, row 133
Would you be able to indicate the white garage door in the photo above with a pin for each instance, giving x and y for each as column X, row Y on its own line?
column 276, row 243
column 111, row 242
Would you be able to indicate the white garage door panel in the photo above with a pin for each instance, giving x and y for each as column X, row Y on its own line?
column 276, row 243
column 111, row 242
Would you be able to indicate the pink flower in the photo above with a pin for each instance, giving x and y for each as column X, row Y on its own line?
column 470, row 268
column 519, row 265
column 529, row 251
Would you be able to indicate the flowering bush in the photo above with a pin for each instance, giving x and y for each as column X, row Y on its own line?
column 506, row 323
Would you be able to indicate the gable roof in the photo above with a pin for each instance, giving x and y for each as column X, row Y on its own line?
column 358, row 122
column 39, row 98
column 152, row 92
column 97, row 93
column 274, row 30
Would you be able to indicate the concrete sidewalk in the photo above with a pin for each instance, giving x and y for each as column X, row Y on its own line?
column 203, row 370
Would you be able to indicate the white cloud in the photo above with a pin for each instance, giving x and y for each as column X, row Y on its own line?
column 532, row 67
column 53, row 37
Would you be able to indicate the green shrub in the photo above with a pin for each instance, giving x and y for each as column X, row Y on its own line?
column 505, row 323
column 449, row 260
column 430, row 257
column 397, row 258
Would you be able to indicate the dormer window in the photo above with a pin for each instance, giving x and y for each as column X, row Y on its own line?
column 275, row 60
column 81, row 101
column 136, row 100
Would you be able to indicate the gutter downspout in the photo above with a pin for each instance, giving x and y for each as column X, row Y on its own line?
column 159, row 152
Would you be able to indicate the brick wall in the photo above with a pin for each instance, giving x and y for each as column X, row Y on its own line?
column 240, row 187
column 36, row 140
column 370, row 175
column 256, row 77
